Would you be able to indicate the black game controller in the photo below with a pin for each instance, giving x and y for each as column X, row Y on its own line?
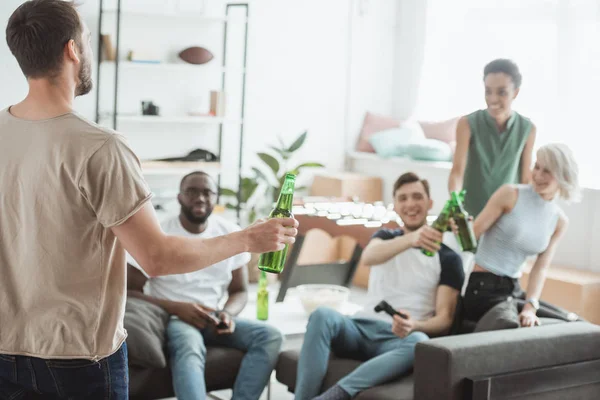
column 384, row 306
column 215, row 318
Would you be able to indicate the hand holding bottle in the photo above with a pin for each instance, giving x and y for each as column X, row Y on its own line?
column 427, row 238
column 270, row 235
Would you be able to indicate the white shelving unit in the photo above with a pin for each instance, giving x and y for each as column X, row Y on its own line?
column 171, row 83
column 184, row 119
column 155, row 168
column 198, row 17
column 168, row 66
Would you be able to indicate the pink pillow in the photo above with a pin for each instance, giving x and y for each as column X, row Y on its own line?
column 442, row 130
column 373, row 123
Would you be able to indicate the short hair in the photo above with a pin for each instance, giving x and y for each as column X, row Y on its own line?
column 504, row 66
column 410, row 177
column 194, row 173
column 561, row 163
column 37, row 32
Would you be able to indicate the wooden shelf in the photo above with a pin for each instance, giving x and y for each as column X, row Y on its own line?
column 170, row 66
column 178, row 167
column 197, row 17
column 184, row 119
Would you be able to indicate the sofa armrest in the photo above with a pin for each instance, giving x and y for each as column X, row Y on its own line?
column 444, row 367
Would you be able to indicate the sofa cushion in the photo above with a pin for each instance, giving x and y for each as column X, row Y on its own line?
column 222, row 365
column 429, row 150
column 394, row 142
column 372, row 124
column 440, row 130
column 503, row 315
column 401, row 389
column 146, row 325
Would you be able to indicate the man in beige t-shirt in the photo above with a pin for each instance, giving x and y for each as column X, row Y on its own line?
column 72, row 201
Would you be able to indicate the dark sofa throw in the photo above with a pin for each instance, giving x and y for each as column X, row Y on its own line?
column 146, row 328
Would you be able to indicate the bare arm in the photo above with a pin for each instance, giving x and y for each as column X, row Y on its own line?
column 502, row 201
column 445, row 307
column 439, row 324
column 380, row 251
column 463, row 137
column 537, row 276
column 526, row 157
column 162, row 254
column 238, row 291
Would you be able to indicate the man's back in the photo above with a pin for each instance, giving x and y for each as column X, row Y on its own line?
column 64, row 183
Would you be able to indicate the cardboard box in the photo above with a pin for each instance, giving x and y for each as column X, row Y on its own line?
column 575, row 290
column 345, row 184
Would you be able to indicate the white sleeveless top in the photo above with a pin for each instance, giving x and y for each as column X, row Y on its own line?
column 521, row 233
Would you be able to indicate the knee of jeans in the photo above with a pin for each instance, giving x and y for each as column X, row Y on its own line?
column 322, row 317
column 417, row 337
column 184, row 342
column 270, row 338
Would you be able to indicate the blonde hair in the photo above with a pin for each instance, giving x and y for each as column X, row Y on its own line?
column 561, row 163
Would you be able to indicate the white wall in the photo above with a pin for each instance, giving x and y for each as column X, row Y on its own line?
column 371, row 63
column 310, row 64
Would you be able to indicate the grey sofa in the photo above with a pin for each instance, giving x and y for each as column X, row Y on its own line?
column 550, row 362
column 222, row 365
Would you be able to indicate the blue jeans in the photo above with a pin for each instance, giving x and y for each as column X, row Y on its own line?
column 388, row 356
column 187, row 350
column 22, row 376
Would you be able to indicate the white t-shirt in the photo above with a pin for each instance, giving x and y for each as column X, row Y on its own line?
column 207, row 286
column 409, row 281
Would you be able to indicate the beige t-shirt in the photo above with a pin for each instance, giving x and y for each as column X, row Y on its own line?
column 64, row 182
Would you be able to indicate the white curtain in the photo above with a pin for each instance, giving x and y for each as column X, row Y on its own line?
column 556, row 44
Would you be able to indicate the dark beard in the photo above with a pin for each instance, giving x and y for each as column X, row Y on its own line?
column 189, row 215
column 85, row 84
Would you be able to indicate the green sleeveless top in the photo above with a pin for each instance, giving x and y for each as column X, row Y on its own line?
column 493, row 158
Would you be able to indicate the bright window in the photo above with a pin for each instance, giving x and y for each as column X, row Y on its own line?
column 556, row 44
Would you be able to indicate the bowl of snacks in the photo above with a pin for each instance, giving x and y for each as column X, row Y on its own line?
column 322, row 295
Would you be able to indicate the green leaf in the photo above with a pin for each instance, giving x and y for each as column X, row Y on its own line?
column 248, row 188
column 281, row 141
column 228, row 192
column 283, row 153
column 298, row 143
column 309, row 165
column 270, row 161
column 296, row 170
column 260, row 175
column 230, row 206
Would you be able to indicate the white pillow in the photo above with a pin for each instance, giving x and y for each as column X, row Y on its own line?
column 394, row 142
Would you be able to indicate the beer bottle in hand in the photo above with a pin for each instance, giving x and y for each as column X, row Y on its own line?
column 262, row 298
column 275, row 261
column 440, row 224
column 466, row 235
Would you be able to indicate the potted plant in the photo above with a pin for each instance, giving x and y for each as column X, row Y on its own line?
column 268, row 178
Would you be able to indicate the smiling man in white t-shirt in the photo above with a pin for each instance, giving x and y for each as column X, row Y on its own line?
column 191, row 298
column 425, row 289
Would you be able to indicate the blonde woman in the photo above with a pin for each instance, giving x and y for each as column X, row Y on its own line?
column 518, row 222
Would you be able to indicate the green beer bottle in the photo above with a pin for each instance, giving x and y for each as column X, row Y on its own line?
column 440, row 224
column 466, row 235
column 275, row 261
column 461, row 195
column 262, row 298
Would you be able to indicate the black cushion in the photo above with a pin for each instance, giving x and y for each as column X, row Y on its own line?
column 146, row 328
